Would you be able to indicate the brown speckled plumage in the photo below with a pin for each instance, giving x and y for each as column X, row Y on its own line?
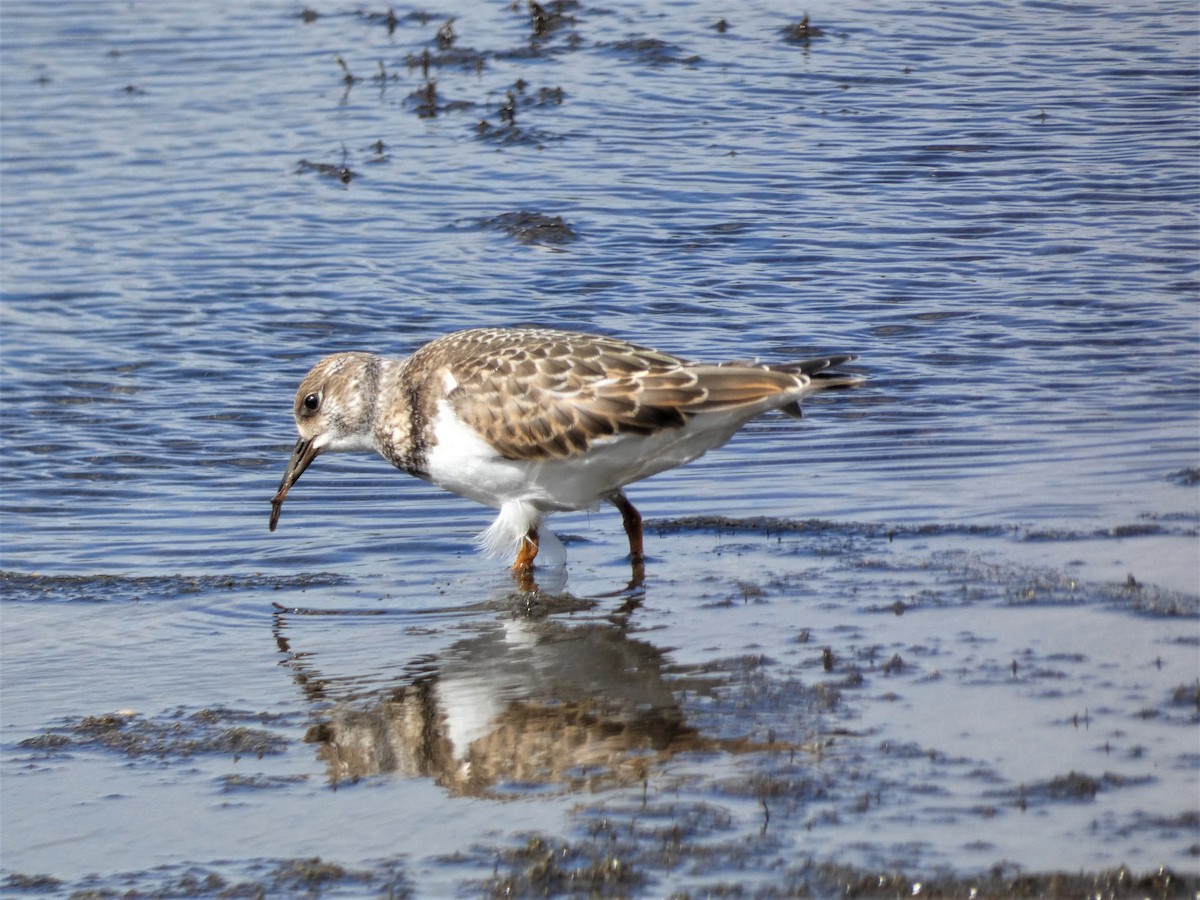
column 539, row 419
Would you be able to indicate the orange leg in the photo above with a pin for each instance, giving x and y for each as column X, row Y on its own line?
column 527, row 553
column 632, row 520
column 523, row 568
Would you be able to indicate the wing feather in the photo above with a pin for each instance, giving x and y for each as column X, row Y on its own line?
column 538, row 393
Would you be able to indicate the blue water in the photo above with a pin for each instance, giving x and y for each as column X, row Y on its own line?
column 993, row 204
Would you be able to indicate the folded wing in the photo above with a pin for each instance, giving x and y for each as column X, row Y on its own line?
column 553, row 397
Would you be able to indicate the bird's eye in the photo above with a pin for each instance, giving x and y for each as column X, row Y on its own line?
column 312, row 402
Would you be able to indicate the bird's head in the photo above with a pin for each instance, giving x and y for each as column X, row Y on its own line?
column 335, row 410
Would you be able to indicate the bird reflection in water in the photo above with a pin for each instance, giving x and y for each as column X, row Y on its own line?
column 527, row 703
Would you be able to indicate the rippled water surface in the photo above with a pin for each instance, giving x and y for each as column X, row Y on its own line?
column 993, row 204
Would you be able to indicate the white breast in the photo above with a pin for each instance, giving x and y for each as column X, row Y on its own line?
column 463, row 462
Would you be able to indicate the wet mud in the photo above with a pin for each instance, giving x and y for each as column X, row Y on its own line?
column 174, row 737
column 546, row 867
column 532, row 227
column 28, row 586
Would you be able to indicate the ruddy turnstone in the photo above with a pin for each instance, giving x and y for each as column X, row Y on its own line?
column 532, row 421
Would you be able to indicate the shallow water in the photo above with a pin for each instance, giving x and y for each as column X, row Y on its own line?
column 993, row 204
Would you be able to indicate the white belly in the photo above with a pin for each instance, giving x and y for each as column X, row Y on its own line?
column 462, row 462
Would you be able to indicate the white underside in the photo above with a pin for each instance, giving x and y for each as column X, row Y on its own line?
column 504, row 536
column 525, row 492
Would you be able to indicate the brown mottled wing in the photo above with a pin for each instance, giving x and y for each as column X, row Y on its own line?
column 537, row 394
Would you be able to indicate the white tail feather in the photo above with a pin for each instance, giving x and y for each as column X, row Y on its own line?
column 504, row 536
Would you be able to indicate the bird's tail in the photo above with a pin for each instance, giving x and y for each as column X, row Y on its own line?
column 822, row 379
column 816, row 369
